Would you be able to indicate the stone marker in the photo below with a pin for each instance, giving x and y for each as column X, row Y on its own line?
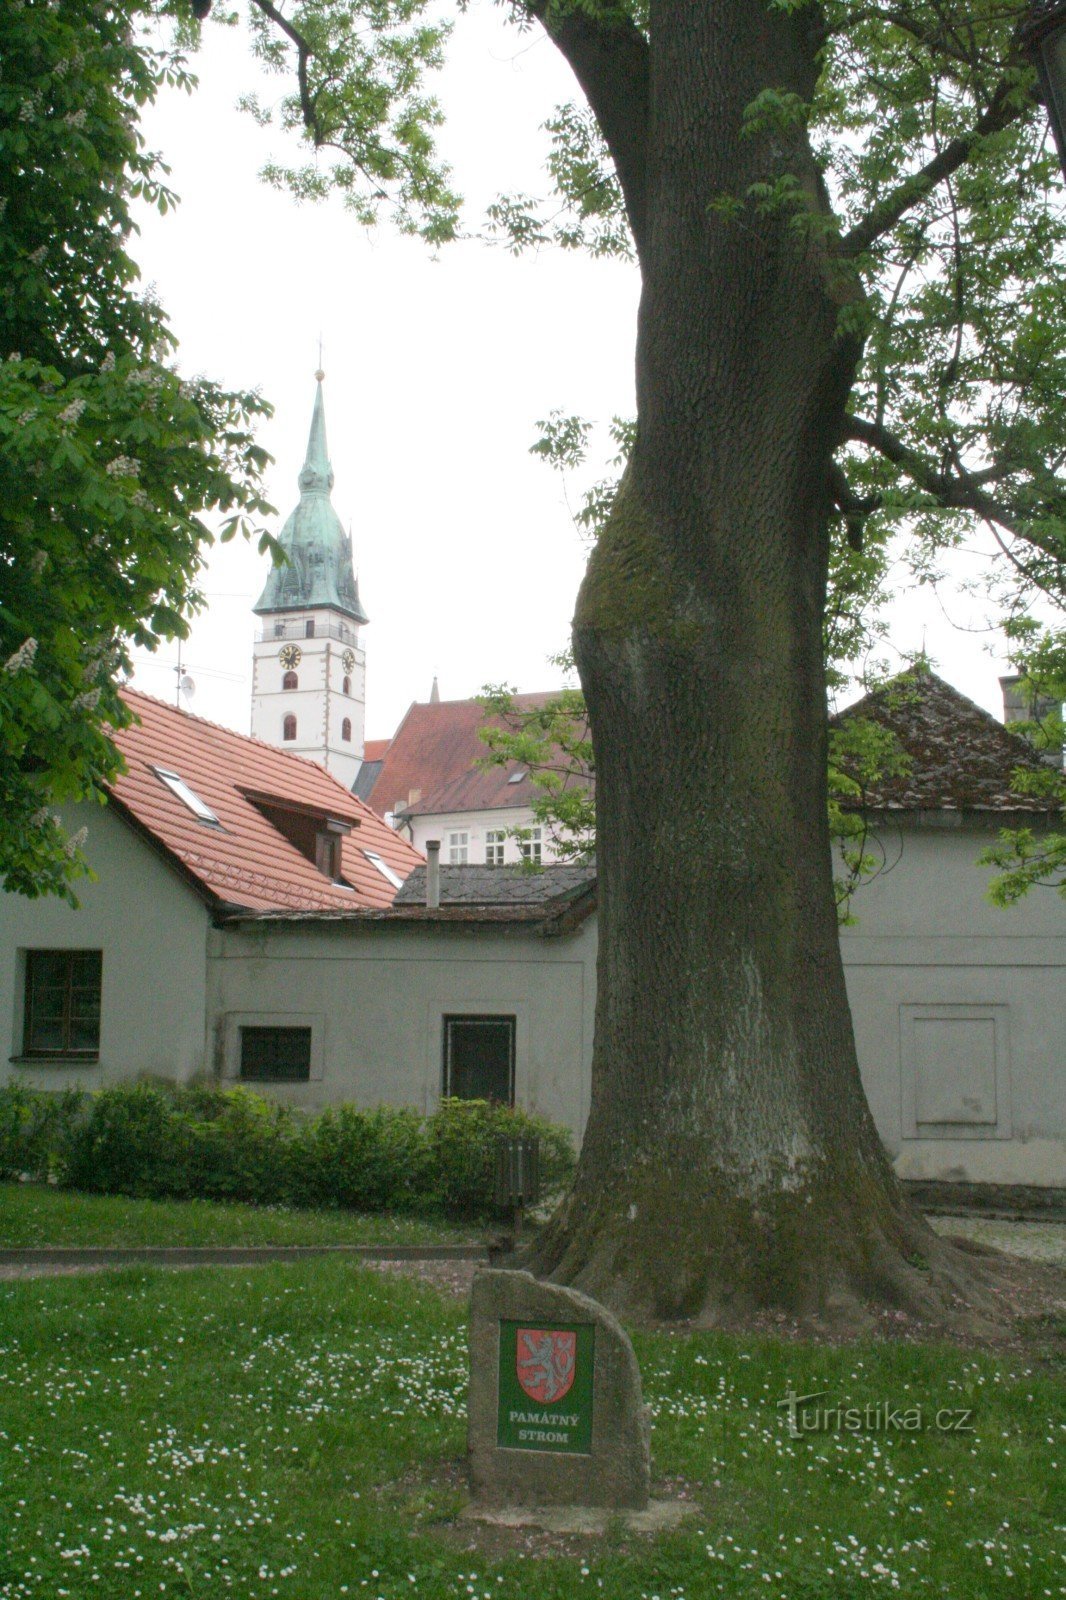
column 556, row 1416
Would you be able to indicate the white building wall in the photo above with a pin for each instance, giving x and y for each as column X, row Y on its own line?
column 960, row 1015
column 152, row 930
column 376, row 998
column 959, row 1008
column 477, row 825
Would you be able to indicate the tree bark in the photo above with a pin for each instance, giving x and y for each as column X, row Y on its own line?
column 730, row 1161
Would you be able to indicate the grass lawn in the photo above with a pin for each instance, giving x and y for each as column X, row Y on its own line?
column 294, row 1431
column 35, row 1214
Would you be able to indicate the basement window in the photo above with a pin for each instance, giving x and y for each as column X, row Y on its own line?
column 187, row 796
column 479, row 1058
column 276, row 1055
column 383, row 867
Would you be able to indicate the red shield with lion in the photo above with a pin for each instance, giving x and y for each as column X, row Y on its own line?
column 545, row 1363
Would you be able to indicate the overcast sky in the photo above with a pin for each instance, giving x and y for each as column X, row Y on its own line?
column 437, row 371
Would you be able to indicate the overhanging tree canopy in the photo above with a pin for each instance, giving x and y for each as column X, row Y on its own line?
column 848, row 222
column 107, row 458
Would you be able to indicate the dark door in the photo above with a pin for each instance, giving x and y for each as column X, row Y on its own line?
column 479, row 1058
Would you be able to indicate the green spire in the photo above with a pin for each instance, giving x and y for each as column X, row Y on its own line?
column 319, row 571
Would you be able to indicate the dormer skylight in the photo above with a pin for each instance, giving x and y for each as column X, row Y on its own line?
column 384, row 868
column 187, row 796
column 516, row 777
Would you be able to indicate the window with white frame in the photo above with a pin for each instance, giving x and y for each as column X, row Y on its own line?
column 187, row 795
column 458, row 848
column 532, row 844
column 495, row 839
column 383, row 867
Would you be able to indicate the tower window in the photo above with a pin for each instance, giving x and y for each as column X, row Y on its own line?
column 346, row 730
column 288, row 727
column 309, row 628
column 279, row 630
column 346, row 686
column 290, row 681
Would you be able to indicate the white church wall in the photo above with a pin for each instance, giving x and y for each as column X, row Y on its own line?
column 151, row 931
column 319, row 702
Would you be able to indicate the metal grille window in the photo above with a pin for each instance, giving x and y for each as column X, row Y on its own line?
column 62, row 1003
column 479, row 1057
column 495, row 841
column 276, row 1055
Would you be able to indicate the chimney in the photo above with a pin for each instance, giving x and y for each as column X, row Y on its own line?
column 1022, row 703
column 432, row 873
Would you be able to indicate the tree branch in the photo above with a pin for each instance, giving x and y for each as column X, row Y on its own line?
column 303, row 56
column 1000, row 113
column 958, row 491
column 610, row 62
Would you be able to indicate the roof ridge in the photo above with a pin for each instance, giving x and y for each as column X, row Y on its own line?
column 475, row 699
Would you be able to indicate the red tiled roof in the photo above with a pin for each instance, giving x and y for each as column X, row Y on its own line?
column 374, row 749
column 435, row 751
column 246, row 861
column 959, row 757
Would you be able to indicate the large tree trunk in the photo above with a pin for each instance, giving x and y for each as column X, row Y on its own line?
column 730, row 1161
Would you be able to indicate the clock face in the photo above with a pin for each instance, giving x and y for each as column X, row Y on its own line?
column 290, row 656
column 348, row 660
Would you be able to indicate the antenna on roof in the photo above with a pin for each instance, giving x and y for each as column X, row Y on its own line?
column 184, row 685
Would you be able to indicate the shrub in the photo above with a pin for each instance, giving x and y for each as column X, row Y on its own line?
column 202, row 1141
column 35, row 1129
column 364, row 1160
column 128, row 1143
column 463, row 1137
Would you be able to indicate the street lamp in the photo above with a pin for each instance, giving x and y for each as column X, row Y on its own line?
column 1044, row 39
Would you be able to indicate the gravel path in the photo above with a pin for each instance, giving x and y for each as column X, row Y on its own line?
column 1033, row 1241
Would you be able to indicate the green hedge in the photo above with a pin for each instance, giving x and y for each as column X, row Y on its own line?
column 204, row 1142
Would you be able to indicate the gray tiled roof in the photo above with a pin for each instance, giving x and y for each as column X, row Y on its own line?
column 497, row 886
column 959, row 758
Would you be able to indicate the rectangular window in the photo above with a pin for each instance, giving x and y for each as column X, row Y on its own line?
column 276, row 1055
column 495, row 840
column 62, row 1015
column 328, row 855
column 479, row 1058
column 187, row 795
column 532, row 845
column 383, row 867
column 458, row 848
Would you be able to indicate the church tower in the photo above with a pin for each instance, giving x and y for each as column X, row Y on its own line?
column 308, row 668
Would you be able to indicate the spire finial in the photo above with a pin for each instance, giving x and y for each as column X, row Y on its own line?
column 319, row 374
